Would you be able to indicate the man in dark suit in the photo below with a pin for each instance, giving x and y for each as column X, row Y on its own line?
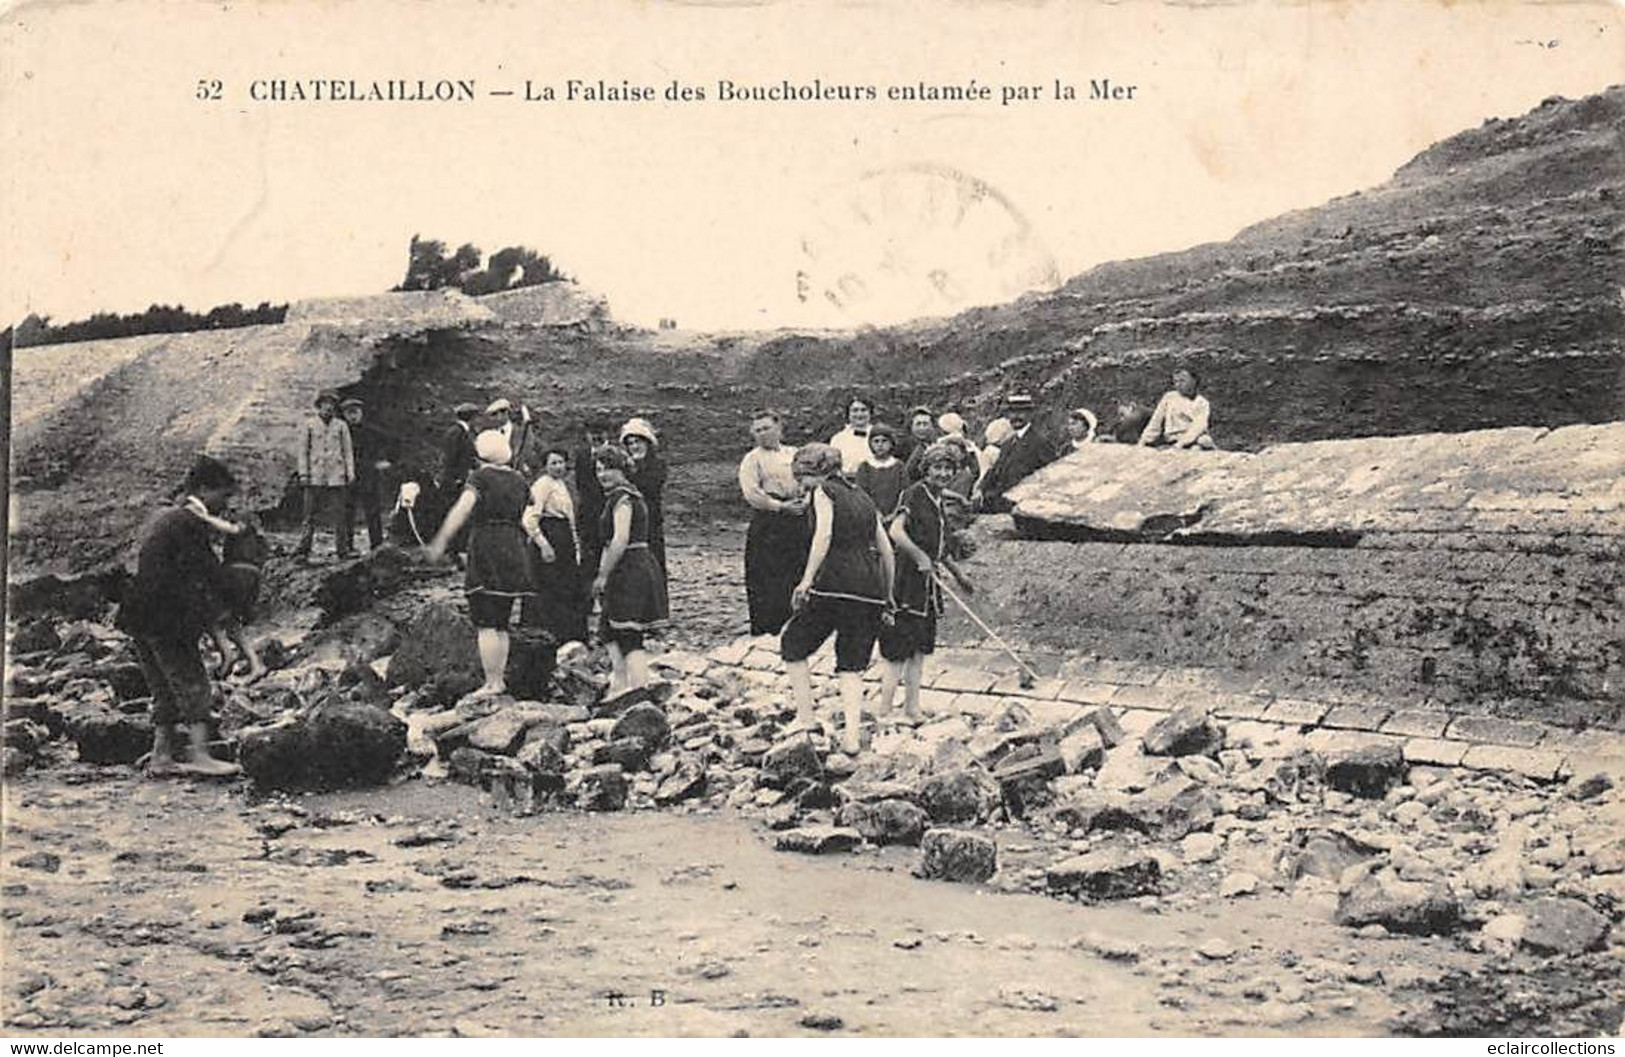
column 457, row 459
column 1029, row 450
column 374, row 455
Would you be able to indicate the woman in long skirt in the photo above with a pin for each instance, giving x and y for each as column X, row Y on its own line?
column 492, row 501
column 630, row 585
column 550, row 522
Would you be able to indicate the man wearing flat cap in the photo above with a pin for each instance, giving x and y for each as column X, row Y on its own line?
column 512, row 420
column 1027, row 450
column 326, row 464
column 374, row 454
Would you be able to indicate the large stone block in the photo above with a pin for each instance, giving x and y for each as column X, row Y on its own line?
column 957, row 855
column 338, row 743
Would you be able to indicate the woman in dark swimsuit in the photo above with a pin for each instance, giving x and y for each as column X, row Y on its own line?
column 493, row 499
column 630, row 585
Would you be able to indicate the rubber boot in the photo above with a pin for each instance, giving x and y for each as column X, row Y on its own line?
column 161, row 761
column 199, row 762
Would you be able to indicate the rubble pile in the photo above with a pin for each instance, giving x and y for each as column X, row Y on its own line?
column 1042, row 796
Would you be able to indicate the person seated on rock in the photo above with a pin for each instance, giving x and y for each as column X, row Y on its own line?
column 852, row 441
column 167, row 607
column 1028, row 450
column 844, row 590
column 1128, row 422
column 881, row 475
column 994, row 437
column 1081, row 426
column 498, row 571
column 631, row 585
column 953, row 431
column 1181, row 417
column 922, row 433
column 919, row 531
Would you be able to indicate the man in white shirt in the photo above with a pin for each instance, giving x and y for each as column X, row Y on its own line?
column 776, row 542
column 853, row 441
column 1181, row 417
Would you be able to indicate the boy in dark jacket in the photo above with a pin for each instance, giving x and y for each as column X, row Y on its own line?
column 178, row 590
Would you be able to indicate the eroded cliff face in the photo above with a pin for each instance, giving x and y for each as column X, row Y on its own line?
column 1479, row 288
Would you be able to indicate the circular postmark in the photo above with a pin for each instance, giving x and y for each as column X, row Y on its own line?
column 919, row 240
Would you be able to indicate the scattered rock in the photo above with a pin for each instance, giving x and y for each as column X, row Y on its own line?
column 1110, row 948
column 1563, row 926
column 1238, row 884
column 1410, row 907
column 337, row 744
column 957, row 796
column 630, row 754
column 794, row 757
column 1083, row 750
column 1186, row 731
column 821, row 1021
column 1028, row 998
column 645, row 722
column 1591, row 787
column 34, row 636
column 1024, row 777
column 1106, row 725
column 1367, row 772
column 438, row 644
column 111, row 737
column 1127, row 769
column 1502, row 934
column 1200, row 847
column 886, row 822
column 687, row 783
column 470, row 766
column 602, row 788
column 818, row 840
column 1325, row 853
column 49, row 862
column 544, row 749
column 1110, row 873
column 1216, row 949
column 957, row 855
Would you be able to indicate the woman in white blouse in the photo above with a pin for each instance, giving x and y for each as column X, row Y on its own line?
column 550, row 522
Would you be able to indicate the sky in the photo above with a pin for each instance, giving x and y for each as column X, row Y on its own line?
column 119, row 188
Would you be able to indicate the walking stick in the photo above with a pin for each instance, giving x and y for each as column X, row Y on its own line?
column 1029, row 678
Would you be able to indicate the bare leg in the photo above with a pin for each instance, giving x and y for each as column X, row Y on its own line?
column 493, row 646
column 890, row 673
column 852, row 705
column 618, row 676
column 913, row 675
column 256, row 667
column 218, row 636
column 801, row 690
column 637, row 669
